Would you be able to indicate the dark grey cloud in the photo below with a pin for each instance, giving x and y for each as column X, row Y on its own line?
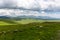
column 7, row 4
column 13, row 4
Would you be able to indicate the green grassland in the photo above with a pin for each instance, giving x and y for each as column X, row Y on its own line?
column 29, row 29
column 26, row 21
column 23, row 21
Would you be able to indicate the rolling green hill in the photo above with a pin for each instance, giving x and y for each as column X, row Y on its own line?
column 29, row 29
column 23, row 21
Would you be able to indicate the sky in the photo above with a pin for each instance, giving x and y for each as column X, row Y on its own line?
column 7, row 8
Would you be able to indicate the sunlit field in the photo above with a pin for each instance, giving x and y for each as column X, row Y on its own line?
column 29, row 29
column 26, row 21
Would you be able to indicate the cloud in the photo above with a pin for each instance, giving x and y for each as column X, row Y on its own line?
column 15, row 13
column 7, row 4
column 29, row 4
column 28, row 7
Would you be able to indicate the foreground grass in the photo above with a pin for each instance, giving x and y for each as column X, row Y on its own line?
column 30, row 31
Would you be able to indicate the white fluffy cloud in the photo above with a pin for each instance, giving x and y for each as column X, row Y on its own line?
column 28, row 4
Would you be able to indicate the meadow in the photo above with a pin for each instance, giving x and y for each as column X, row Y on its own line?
column 29, row 29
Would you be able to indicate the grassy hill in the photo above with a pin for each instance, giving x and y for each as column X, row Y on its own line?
column 29, row 29
column 23, row 21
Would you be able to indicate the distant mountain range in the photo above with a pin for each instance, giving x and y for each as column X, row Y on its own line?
column 23, row 17
column 4, row 17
